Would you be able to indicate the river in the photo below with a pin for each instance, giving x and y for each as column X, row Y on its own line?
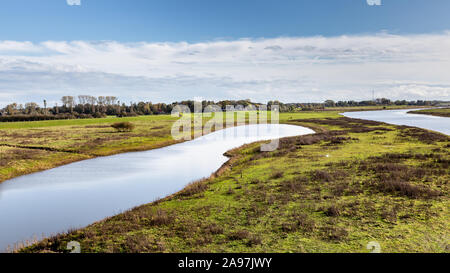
column 78, row 194
column 401, row 117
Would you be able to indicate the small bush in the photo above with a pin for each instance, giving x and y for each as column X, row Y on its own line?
column 304, row 222
column 300, row 222
column 332, row 211
column 341, row 188
column 194, row 188
column 214, row 229
column 277, row 175
column 289, row 227
column 405, row 188
column 123, row 126
column 294, row 185
column 161, row 218
column 124, row 114
column 320, row 175
column 334, row 233
column 390, row 214
column 239, row 235
column 254, row 240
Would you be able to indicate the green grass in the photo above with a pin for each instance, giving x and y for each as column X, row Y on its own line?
column 441, row 112
column 65, row 141
column 335, row 191
column 27, row 147
column 371, row 108
column 75, row 122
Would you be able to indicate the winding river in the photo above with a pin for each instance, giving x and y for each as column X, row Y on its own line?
column 78, row 194
column 401, row 117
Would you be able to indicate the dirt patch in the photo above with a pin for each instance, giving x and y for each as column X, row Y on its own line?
column 96, row 126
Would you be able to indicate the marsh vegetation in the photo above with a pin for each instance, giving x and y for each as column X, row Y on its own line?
column 440, row 112
column 353, row 182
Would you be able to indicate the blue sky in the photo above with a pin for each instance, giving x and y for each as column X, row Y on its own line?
column 169, row 50
column 200, row 20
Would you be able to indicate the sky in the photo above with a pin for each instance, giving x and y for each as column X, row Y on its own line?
column 171, row 50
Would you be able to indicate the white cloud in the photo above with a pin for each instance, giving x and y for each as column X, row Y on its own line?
column 288, row 69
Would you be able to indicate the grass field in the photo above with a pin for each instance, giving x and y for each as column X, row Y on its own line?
column 371, row 108
column 440, row 112
column 351, row 183
column 27, row 147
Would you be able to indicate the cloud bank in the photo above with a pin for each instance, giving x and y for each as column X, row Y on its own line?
column 288, row 69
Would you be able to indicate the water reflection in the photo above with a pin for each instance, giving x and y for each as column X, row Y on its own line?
column 401, row 117
column 81, row 193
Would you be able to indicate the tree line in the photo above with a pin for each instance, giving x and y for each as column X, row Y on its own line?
column 86, row 106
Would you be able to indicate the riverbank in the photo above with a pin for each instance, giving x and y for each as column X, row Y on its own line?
column 353, row 182
column 372, row 108
column 28, row 147
column 439, row 112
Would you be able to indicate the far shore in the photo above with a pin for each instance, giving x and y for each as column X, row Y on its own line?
column 438, row 112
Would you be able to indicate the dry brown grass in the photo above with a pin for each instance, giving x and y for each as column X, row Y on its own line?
column 194, row 188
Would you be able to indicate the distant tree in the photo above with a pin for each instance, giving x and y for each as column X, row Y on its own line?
column 11, row 108
column 45, row 107
column 71, row 102
column 31, row 108
column 329, row 103
column 82, row 100
column 123, row 126
column 92, row 101
column 385, row 101
column 64, row 101
column 101, row 101
column 68, row 102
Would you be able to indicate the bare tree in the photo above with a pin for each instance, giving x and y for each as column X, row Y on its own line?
column 65, row 101
column 30, row 108
column 92, row 100
column 11, row 108
column 102, row 103
column 71, row 103
column 82, row 99
column 113, row 100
